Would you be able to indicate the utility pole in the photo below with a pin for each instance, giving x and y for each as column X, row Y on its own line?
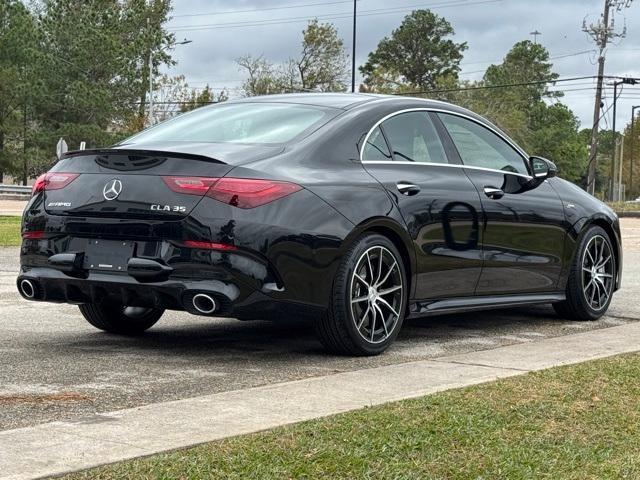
column 353, row 48
column 633, row 140
column 25, row 165
column 620, row 170
column 601, row 32
column 624, row 81
column 535, row 34
column 150, row 67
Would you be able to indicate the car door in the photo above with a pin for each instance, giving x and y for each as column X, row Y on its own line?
column 438, row 202
column 523, row 232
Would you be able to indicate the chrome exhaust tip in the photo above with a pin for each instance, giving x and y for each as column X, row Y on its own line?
column 204, row 303
column 27, row 288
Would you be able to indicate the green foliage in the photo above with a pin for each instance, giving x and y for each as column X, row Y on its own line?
column 418, row 55
column 262, row 76
column 526, row 62
column 321, row 66
column 204, row 97
column 18, row 81
column 90, row 95
column 76, row 69
column 554, row 134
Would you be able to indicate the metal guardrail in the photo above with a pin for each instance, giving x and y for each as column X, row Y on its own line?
column 15, row 189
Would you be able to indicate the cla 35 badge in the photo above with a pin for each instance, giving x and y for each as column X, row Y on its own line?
column 112, row 189
column 169, row 208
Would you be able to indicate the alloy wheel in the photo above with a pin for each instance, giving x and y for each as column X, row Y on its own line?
column 597, row 272
column 376, row 294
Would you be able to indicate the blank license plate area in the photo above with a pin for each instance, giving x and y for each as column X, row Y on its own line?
column 108, row 255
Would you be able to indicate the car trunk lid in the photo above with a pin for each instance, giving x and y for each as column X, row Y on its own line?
column 141, row 183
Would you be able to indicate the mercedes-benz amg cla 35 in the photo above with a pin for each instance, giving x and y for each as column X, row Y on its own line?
column 357, row 211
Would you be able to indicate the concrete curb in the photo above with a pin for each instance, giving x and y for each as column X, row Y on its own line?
column 62, row 447
column 628, row 214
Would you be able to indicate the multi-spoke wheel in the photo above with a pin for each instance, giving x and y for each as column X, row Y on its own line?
column 369, row 299
column 597, row 272
column 120, row 319
column 592, row 278
column 376, row 294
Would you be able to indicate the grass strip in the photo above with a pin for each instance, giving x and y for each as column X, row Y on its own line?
column 10, row 231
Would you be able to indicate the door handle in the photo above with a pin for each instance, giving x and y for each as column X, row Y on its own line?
column 407, row 188
column 493, row 193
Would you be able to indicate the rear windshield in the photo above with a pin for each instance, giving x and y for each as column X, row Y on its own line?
column 239, row 123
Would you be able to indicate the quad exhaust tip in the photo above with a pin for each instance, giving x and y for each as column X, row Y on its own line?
column 27, row 288
column 204, row 303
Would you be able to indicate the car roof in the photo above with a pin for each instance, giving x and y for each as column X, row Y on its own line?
column 334, row 100
column 345, row 101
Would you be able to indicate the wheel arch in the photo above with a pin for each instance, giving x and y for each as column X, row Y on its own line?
column 398, row 235
column 607, row 225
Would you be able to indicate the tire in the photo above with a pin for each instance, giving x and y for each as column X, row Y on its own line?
column 120, row 320
column 346, row 327
column 586, row 302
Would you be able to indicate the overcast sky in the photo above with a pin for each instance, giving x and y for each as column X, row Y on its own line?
column 489, row 27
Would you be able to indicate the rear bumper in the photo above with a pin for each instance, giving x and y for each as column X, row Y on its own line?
column 244, row 285
column 231, row 300
column 52, row 285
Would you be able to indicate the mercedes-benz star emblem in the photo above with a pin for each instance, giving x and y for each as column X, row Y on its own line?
column 112, row 189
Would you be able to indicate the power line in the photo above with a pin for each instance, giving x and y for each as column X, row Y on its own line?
column 512, row 85
column 505, row 85
column 266, row 9
column 554, row 57
column 334, row 16
column 338, row 15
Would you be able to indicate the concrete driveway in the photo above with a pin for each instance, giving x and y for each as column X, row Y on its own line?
column 55, row 366
column 12, row 207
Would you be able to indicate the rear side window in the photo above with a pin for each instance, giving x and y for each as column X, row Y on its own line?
column 480, row 147
column 376, row 148
column 269, row 123
column 413, row 138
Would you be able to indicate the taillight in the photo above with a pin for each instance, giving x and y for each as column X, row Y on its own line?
column 250, row 193
column 239, row 192
column 33, row 235
column 53, row 181
column 208, row 245
column 190, row 185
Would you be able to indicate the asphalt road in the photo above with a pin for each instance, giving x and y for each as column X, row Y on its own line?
column 55, row 366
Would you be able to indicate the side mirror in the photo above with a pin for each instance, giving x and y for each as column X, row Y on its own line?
column 542, row 168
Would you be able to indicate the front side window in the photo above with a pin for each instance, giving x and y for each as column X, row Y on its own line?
column 376, row 149
column 269, row 123
column 413, row 138
column 480, row 147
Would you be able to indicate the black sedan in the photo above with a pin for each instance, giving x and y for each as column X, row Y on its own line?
column 355, row 210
